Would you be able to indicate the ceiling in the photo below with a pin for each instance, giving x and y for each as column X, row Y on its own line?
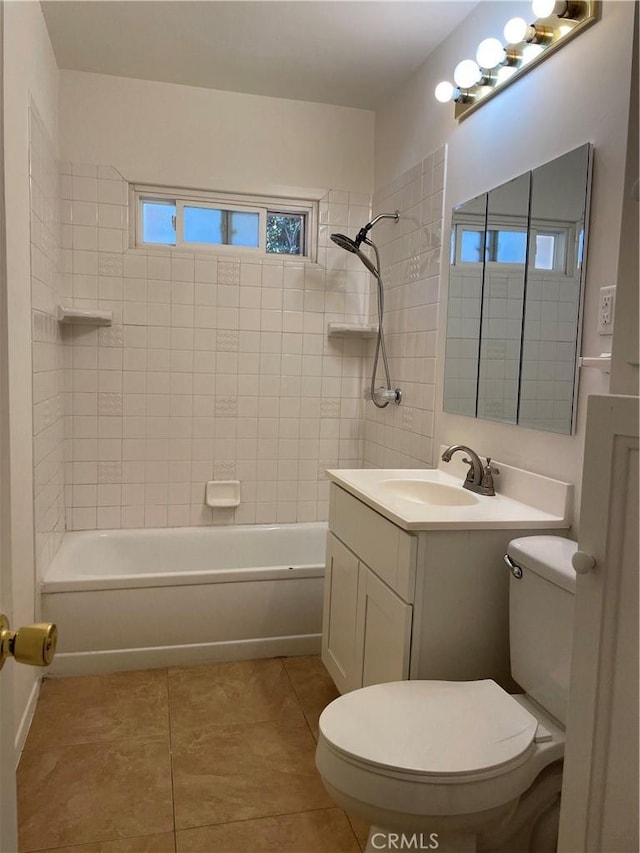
column 341, row 52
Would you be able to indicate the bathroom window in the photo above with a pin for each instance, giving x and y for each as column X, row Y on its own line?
column 223, row 223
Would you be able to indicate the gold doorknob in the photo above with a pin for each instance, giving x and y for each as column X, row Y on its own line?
column 32, row 644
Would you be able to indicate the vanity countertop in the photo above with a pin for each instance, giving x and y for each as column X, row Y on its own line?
column 427, row 499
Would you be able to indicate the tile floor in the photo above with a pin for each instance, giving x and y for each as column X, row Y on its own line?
column 216, row 758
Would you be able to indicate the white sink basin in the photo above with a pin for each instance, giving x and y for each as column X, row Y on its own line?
column 434, row 499
column 426, row 492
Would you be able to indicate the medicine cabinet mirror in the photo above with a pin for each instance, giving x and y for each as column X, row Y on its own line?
column 516, row 279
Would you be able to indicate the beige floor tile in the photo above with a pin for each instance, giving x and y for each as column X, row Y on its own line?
column 223, row 694
column 360, row 828
column 164, row 843
column 324, row 831
column 100, row 708
column 94, row 792
column 231, row 773
column 313, row 686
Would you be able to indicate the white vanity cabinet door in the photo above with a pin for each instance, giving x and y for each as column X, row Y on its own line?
column 384, row 631
column 341, row 645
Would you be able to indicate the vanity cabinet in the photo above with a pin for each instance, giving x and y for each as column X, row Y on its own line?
column 399, row 604
column 366, row 626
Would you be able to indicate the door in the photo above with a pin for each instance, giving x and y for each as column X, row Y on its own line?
column 8, row 822
column 341, row 649
column 600, row 783
column 384, row 631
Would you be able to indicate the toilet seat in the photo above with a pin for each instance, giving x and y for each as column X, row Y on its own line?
column 441, row 730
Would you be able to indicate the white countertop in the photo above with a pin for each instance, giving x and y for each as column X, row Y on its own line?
column 498, row 512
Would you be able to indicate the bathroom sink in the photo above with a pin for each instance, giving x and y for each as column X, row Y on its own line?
column 434, row 498
column 427, row 492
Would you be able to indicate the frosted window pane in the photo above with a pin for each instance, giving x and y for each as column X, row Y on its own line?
column 202, row 225
column 545, row 249
column 512, row 247
column 244, row 229
column 158, row 221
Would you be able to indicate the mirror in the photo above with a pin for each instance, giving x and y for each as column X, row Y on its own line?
column 552, row 311
column 515, row 292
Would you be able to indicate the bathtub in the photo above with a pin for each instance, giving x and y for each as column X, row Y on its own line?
column 132, row 599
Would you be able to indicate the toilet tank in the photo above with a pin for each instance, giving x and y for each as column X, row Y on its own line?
column 541, row 618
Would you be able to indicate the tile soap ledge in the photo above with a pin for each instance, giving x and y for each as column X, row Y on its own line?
column 82, row 317
column 351, row 330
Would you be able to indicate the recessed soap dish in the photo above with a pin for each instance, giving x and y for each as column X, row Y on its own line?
column 222, row 493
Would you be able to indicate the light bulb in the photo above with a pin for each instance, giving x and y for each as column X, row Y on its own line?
column 444, row 91
column 490, row 53
column 564, row 30
column 467, row 73
column 516, row 30
column 543, row 8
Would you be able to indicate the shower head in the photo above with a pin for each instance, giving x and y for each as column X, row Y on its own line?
column 361, row 237
column 345, row 243
column 351, row 246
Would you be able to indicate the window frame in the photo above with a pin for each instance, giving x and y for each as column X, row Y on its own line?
column 263, row 205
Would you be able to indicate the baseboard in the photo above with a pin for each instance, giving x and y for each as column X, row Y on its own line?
column 27, row 717
column 117, row 660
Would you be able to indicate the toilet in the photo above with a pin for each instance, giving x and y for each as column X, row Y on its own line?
column 466, row 766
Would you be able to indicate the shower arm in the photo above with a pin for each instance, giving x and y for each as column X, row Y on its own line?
column 361, row 236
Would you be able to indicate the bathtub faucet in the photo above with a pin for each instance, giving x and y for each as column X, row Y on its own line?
column 479, row 477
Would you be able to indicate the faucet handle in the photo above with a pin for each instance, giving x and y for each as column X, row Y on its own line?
column 487, row 477
column 489, row 468
column 470, row 471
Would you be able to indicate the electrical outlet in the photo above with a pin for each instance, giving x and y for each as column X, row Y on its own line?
column 606, row 310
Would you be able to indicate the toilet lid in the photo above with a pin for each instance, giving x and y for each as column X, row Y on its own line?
column 436, row 728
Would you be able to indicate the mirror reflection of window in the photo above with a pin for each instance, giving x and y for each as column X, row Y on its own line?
column 471, row 246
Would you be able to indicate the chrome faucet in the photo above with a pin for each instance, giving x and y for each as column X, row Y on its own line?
column 479, row 477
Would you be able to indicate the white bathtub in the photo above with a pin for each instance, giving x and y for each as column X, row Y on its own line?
column 130, row 599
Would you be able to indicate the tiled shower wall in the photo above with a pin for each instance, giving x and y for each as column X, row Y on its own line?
column 214, row 368
column 47, row 289
column 402, row 436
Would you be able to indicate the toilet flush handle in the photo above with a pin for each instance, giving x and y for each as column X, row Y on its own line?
column 583, row 562
column 514, row 568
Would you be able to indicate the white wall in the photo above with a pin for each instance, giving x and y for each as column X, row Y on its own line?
column 571, row 98
column 190, row 137
column 29, row 71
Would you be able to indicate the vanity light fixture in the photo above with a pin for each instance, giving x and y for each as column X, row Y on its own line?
column 497, row 64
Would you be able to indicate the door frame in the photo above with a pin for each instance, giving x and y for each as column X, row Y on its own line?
column 8, row 812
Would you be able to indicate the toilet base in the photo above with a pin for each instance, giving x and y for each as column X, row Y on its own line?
column 526, row 825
